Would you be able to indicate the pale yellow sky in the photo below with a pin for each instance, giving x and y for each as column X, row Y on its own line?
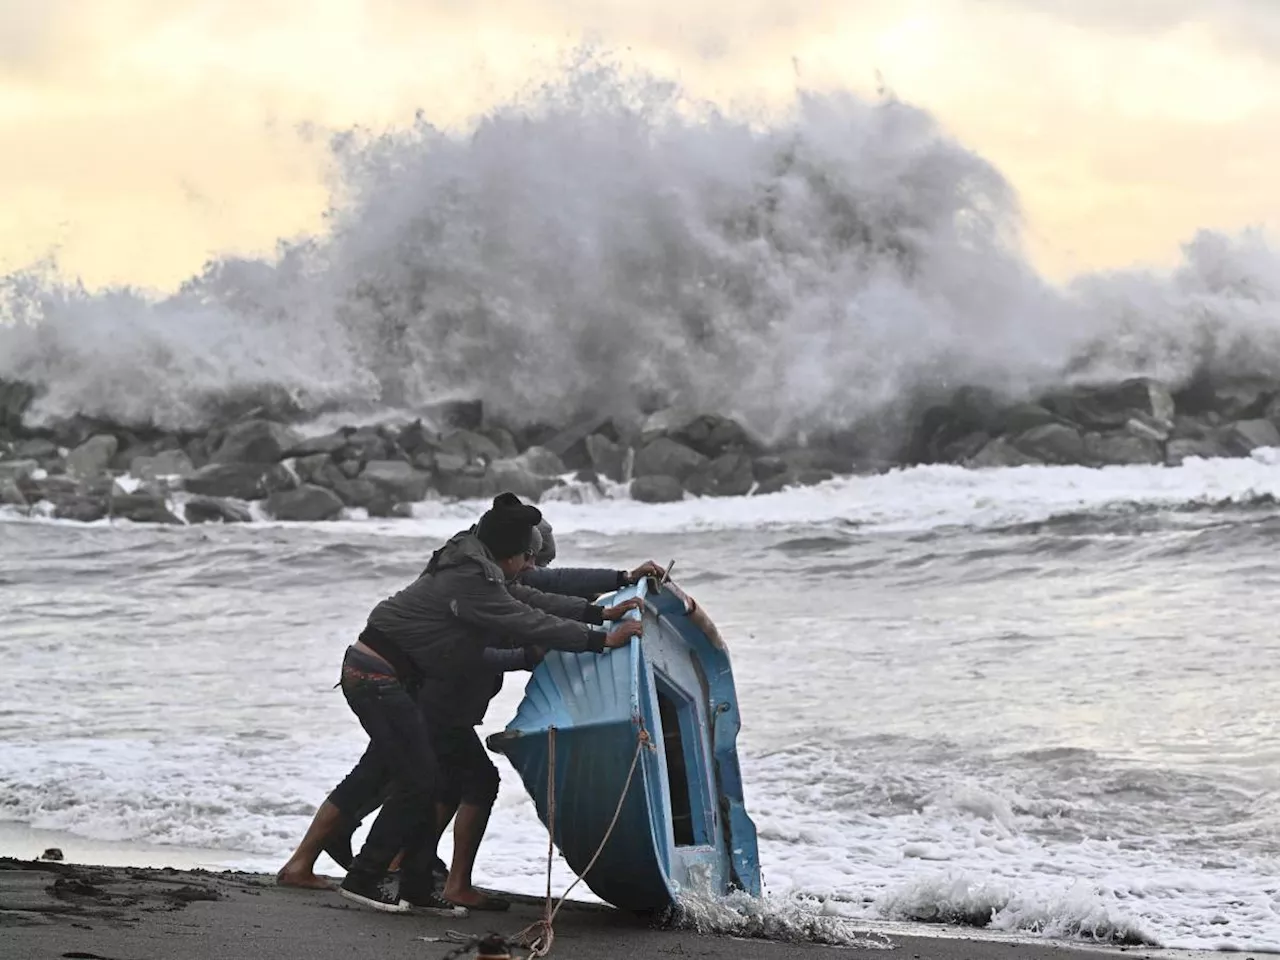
column 139, row 138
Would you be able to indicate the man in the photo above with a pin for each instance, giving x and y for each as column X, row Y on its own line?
column 363, row 789
column 429, row 640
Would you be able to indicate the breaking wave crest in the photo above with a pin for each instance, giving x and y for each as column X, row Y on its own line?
column 604, row 242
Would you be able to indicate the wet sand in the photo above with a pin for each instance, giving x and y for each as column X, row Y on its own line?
column 58, row 910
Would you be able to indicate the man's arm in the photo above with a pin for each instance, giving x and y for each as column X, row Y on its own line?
column 586, row 582
column 490, row 607
column 556, row 604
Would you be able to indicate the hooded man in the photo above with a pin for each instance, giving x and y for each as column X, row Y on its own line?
column 420, row 663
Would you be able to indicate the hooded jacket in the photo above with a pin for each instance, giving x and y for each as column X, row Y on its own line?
column 444, row 620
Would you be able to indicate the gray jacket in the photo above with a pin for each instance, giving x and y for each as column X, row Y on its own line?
column 462, row 603
column 587, row 582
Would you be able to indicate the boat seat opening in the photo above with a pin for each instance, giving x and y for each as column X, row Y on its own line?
column 682, row 821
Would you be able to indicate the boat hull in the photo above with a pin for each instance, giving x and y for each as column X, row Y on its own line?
column 651, row 727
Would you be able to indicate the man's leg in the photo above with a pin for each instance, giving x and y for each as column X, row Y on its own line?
column 477, row 780
column 299, row 869
column 391, row 718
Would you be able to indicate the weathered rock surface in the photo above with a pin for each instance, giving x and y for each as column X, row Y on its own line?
column 306, row 503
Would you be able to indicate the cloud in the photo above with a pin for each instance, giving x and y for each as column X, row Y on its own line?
column 1247, row 24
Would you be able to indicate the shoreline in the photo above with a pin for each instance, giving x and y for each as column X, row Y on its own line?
column 59, row 909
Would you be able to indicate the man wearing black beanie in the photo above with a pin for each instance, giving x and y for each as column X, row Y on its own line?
column 428, row 643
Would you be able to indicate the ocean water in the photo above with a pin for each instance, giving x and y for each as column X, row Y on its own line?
column 1039, row 700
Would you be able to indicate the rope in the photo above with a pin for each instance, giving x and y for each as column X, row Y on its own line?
column 539, row 935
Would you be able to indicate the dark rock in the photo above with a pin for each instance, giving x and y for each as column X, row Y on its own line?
column 1236, row 399
column 214, row 510
column 17, row 470
column 367, row 444
column 1052, row 443
column 1103, row 408
column 1245, row 436
column 540, row 461
column 816, row 458
column 1000, row 452
column 328, row 444
column 775, row 483
column 515, row 476
column 1121, row 447
column 166, row 463
column 609, row 459
column 503, row 440
column 416, row 439
column 83, row 508
column 967, row 447
column 1207, row 448
column 449, row 463
column 315, row 467
column 665, row 457
column 243, row 481
column 360, row 493
column 455, row 414
column 570, row 444
column 811, row 478
column 729, row 475
column 92, row 457
column 351, row 468
column 400, row 481
column 52, row 853
column 142, row 508
column 712, row 436
column 767, row 467
column 305, row 504
column 37, row 448
column 199, row 449
column 51, row 488
column 255, row 441
column 1022, row 417
column 472, row 446
column 970, row 410
column 655, row 488
column 15, row 398
column 11, row 494
column 468, row 486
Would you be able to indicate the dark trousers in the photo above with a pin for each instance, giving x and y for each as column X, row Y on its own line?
column 401, row 743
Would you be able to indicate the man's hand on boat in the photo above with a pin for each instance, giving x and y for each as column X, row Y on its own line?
column 621, row 635
column 647, row 569
column 619, row 611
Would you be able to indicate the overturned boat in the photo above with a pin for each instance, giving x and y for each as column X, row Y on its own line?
column 642, row 742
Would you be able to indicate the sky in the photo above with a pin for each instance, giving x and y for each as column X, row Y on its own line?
column 140, row 138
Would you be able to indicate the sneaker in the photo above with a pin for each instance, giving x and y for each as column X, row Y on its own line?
column 376, row 892
column 431, row 902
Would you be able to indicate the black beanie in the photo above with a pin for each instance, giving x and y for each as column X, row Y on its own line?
column 507, row 527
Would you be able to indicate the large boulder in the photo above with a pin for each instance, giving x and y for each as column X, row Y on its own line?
column 1001, row 452
column 366, row 445
column 655, row 488
column 37, row 448
column 11, row 494
column 540, row 461
column 17, row 470
column 93, row 457
column 15, row 398
column 570, row 444
column 712, row 435
column 81, row 507
column 166, row 463
column 1102, row 408
column 1245, row 436
column 665, row 457
column 970, row 410
column 1204, row 448
column 243, row 481
column 142, row 508
column 1121, row 448
column 255, row 441
column 400, row 481
column 473, row 447
column 1052, row 443
column 305, row 504
column 329, row 443
column 514, row 475
column 1240, row 398
column 729, row 475
column 216, row 509
column 609, row 459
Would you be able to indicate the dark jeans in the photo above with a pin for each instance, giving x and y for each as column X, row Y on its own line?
column 398, row 737
column 467, row 775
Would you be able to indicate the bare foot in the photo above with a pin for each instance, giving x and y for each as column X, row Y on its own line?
column 473, row 899
column 301, row 877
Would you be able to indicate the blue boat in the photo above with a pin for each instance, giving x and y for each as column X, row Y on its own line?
column 668, row 696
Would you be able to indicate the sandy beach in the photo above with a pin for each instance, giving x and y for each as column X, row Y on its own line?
column 59, row 910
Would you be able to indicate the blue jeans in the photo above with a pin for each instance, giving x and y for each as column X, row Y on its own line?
column 398, row 737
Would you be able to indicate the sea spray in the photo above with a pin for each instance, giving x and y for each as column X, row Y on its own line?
column 604, row 242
